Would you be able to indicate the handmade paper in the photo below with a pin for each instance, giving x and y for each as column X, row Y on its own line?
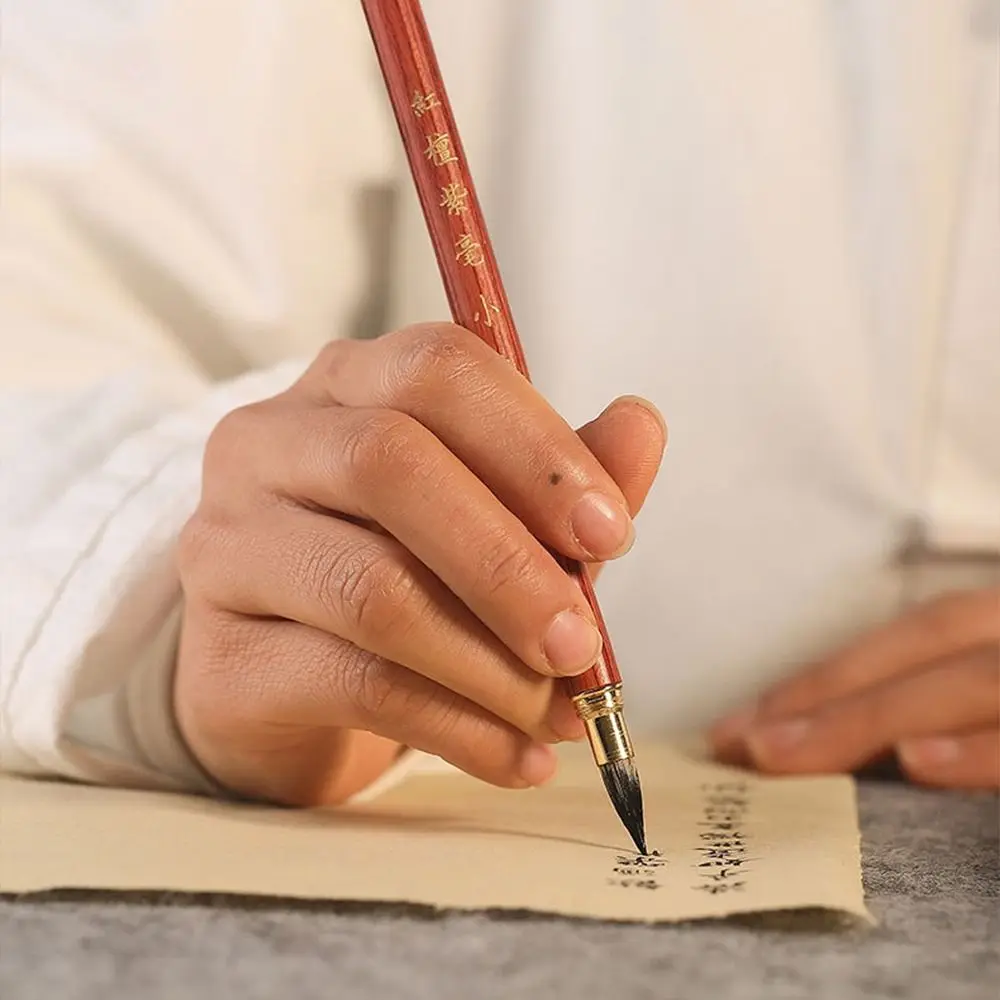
column 725, row 842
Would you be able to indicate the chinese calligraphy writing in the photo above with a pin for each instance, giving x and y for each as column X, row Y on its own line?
column 455, row 198
column 723, row 846
column 637, row 871
column 422, row 103
column 469, row 251
column 439, row 149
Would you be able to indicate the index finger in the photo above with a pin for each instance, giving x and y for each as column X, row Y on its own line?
column 934, row 631
column 495, row 422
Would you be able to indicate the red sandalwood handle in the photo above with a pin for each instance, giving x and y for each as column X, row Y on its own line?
column 455, row 222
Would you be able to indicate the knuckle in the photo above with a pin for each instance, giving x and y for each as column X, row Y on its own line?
column 231, row 436
column 438, row 716
column 425, row 715
column 385, row 444
column 370, row 590
column 196, row 544
column 332, row 357
column 376, row 596
column 218, row 676
column 449, row 719
column 509, row 566
column 379, row 693
column 432, row 353
column 228, row 651
column 331, row 369
column 371, row 686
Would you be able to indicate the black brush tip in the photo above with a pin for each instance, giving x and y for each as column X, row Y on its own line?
column 622, row 783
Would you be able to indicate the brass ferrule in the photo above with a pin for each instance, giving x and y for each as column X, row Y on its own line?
column 602, row 712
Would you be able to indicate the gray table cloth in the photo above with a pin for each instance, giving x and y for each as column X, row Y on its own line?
column 931, row 869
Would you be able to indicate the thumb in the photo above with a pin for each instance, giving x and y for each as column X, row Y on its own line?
column 628, row 439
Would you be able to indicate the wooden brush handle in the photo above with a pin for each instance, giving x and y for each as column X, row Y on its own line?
column 455, row 221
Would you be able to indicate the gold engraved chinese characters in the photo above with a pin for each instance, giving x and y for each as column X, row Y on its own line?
column 487, row 314
column 439, row 149
column 455, row 198
column 422, row 103
column 469, row 252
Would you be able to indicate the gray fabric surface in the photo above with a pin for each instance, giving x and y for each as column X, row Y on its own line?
column 932, row 872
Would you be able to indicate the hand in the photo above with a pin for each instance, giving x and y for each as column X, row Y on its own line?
column 926, row 686
column 364, row 570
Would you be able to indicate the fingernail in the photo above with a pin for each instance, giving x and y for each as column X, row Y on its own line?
column 602, row 526
column 647, row 406
column 571, row 643
column 733, row 727
column 538, row 764
column 778, row 737
column 930, row 752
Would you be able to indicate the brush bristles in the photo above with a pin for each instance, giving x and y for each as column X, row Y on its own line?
column 622, row 783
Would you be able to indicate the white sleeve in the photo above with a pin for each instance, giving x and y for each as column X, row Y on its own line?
column 92, row 497
column 177, row 207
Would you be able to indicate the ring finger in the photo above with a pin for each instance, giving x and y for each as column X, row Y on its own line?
column 304, row 687
column 369, row 590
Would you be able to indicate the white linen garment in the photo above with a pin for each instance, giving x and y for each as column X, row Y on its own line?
column 780, row 221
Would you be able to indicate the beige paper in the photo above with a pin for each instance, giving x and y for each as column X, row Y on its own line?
column 729, row 843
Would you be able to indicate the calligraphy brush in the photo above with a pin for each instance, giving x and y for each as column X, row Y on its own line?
column 478, row 303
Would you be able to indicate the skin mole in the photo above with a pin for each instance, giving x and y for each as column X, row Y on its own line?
column 555, row 478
